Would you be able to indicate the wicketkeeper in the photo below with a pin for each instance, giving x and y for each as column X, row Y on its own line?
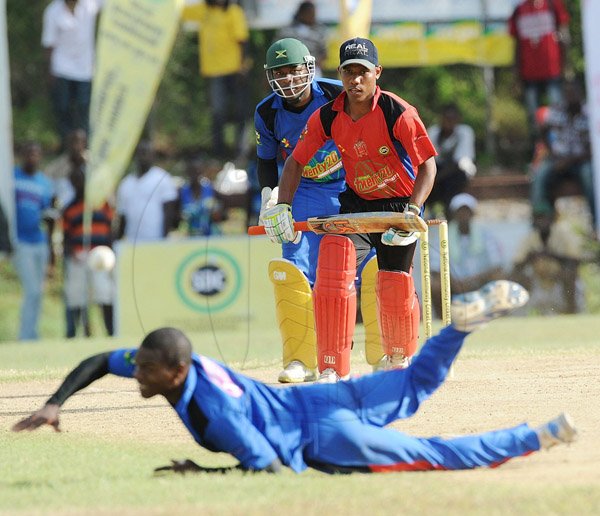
column 390, row 166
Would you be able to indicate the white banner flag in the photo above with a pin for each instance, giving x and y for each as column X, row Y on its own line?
column 7, row 191
column 590, row 14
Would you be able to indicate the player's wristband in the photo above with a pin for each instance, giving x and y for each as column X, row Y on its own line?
column 414, row 208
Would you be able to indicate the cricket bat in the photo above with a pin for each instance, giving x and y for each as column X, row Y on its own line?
column 373, row 222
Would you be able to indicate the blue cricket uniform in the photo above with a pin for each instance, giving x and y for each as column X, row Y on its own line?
column 277, row 131
column 333, row 426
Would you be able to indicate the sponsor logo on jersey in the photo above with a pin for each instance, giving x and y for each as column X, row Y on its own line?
column 257, row 134
column 360, row 147
column 303, row 133
column 369, row 180
column 286, row 143
column 384, row 150
column 318, row 170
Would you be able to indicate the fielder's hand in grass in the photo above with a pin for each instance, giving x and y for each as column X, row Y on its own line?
column 279, row 224
column 268, row 199
column 47, row 415
column 189, row 466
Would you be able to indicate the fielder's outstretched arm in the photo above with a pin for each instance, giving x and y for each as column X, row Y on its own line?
column 88, row 371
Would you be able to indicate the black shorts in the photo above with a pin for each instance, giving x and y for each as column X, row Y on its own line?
column 389, row 257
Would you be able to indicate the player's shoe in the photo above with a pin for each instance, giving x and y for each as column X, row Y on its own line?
column 472, row 310
column 296, row 372
column 330, row 376
column 556, row 431
column 388, row 362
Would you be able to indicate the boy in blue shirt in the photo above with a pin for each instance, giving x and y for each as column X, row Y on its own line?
column 330, row 427
column 33, row 198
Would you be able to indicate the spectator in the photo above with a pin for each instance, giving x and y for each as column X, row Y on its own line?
column 566, row 134
column 198, row 205
column 455, row 143
column 548, row 261
column 305, row 28
column 222, row 44
column 146, row 200
column 541, row 32
column 475, row 254
column 69, row 40
column 59, row 170
column 80, row 281
column 33, row 197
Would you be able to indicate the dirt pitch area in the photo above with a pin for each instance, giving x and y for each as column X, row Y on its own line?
column 485, row 393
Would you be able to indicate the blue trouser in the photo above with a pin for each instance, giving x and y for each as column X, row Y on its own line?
column 312, row 199
column 71, row 102
column 345, row 421
column 30, row 262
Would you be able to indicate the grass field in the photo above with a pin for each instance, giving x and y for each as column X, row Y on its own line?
column 516, row 369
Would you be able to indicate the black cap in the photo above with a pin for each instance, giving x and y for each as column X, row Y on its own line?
column 359, row 50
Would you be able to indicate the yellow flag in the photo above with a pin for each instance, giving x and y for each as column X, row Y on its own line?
column 355, row 18
column 135, row 39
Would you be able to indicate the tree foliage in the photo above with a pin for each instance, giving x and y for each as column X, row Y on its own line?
column 179, row 121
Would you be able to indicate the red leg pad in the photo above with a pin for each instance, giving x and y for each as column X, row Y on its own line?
column 334, row 301
column 398, row 312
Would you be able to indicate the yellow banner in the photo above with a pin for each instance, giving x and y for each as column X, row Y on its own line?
column 135, row 38
column 215, row 286
column 355, row 18
column 407, row 44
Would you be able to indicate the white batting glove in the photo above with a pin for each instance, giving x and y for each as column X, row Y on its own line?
column 268, row 199
column 395, row 236
column 279, row 224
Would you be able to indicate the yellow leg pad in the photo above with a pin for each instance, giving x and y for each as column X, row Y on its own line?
column 368, row 309
column 294, row 309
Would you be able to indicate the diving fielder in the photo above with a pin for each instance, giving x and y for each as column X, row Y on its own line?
column 390, row 166
column 330, row 427
column 279, row 120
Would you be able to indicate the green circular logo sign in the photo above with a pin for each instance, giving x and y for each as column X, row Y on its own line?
column 208, row 281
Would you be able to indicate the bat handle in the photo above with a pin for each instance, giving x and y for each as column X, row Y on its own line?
column 260, row 230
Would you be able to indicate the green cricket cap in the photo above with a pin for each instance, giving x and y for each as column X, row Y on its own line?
column 285, row 52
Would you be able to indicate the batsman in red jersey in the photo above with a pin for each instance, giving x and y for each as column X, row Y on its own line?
column 390, row 166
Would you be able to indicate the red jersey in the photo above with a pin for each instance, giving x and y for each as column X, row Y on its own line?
column 377, row 165
column 535, row 25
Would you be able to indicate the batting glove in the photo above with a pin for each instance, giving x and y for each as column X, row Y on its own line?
column 394, row 236
column 279, row 224
column 268, row 199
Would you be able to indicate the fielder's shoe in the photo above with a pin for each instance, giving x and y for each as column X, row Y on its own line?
column 330, row 376
column 297, row 372
column 388, row 362
column 472, row 310
column 558, row 430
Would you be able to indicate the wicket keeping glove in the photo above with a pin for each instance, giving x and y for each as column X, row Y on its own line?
column 394, row 236
column 279, row 224
column 268, row 199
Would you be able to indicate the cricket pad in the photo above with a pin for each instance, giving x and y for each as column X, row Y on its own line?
column 398, row 313
column 294, row 310
column 368, row 309
column 334, row 298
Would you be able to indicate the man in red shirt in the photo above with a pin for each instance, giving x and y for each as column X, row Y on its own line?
column 390, row 166
column 541, row 32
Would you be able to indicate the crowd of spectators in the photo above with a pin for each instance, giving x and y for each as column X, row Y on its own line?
column 150, row 202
